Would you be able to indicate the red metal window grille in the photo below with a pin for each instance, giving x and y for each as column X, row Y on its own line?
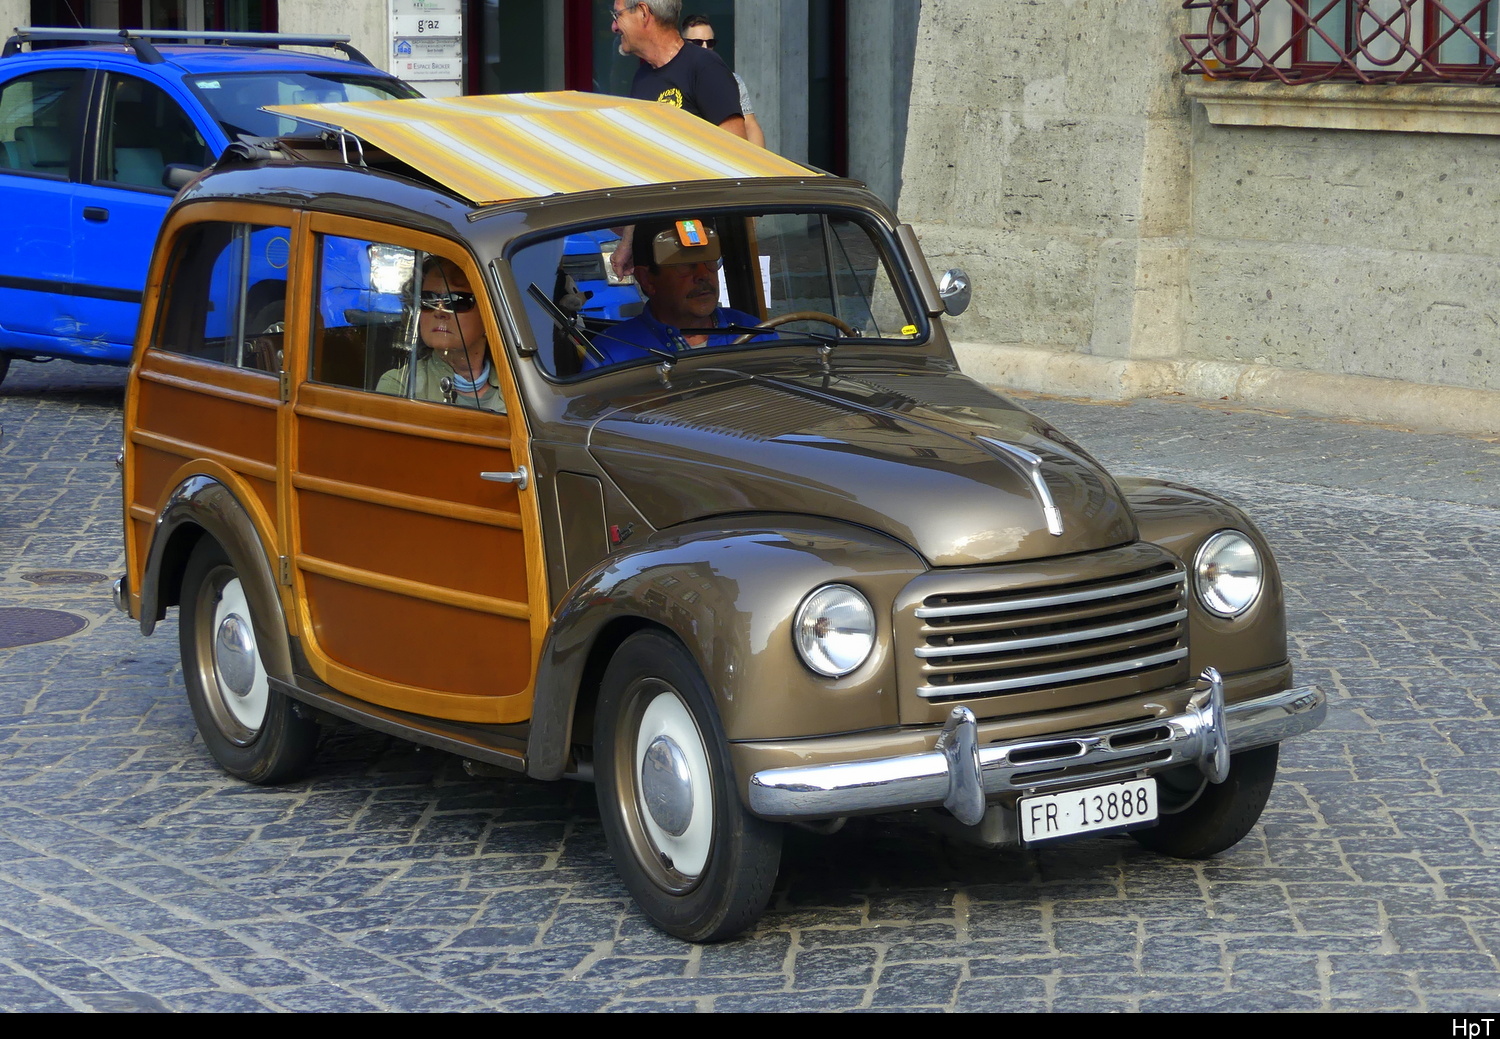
column 1351, row 41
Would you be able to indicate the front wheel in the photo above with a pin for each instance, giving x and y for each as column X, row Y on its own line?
column 1199, row 818
column 252, row 731
column 700, row 866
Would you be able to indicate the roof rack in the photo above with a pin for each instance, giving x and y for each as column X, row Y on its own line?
column 139, row 40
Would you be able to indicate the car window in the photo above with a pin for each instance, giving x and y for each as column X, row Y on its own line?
column 40, row 117
column 226, row 295
column 401, row 322
column 740, row 281
column 144, row 131
column 236, row 100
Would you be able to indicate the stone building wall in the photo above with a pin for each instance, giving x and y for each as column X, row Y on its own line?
column 1123, row 243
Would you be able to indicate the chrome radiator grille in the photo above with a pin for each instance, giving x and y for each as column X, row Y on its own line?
column 990, row 643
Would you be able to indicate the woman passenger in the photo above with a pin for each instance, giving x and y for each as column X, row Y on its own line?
column 452, row 333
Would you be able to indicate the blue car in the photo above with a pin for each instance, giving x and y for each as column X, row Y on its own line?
column 95, row 139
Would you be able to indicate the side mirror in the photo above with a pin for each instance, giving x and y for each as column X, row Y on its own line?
column 954, row 290
column 179, row 175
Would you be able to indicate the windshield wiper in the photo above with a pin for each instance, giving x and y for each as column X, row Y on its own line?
column 761, row 330
column 575, row 337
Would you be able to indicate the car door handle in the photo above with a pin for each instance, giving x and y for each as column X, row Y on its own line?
column 520, row 477
column 98, row 214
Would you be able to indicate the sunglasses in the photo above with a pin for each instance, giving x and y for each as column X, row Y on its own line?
column 710, row 43
column 453, row 302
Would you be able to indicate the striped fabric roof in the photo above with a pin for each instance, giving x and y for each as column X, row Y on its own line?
column 502, row 147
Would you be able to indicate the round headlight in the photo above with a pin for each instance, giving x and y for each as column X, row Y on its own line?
column 1227, row 573
column 835, row 630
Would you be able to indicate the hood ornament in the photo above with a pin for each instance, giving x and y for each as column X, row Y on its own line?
column 1033, row 470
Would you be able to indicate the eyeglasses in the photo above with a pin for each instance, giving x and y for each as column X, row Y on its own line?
column 710, row 43
column 453, row 302
column 620, row 12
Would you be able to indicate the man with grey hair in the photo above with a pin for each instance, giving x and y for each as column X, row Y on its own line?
column 694, row 79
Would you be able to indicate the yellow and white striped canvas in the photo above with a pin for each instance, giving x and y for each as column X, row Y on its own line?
column 501, row 147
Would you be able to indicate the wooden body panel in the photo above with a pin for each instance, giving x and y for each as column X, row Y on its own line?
column 410, row 566
column 408, row 579
column 414, row 576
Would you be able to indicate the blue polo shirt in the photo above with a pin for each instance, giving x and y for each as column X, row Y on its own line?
column 631, row 340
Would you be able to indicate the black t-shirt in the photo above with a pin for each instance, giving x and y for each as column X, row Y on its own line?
column 696, row 80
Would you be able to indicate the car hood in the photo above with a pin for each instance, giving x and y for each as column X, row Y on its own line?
column 929, row 457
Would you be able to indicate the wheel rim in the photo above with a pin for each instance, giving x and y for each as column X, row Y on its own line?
column 671, row 818
column 234, row 676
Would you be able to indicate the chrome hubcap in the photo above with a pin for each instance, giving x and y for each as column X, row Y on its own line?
column 667, row 786
column 234, row 651
column 673, row 787
column 239, row 678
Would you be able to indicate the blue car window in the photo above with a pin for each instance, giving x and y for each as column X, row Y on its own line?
column 227, row 295
column 40, row 117
column 236, row 100
column 145, row 131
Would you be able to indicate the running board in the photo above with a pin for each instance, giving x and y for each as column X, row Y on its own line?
column 479, row 742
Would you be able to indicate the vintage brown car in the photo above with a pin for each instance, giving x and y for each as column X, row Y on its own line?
column 777, row 561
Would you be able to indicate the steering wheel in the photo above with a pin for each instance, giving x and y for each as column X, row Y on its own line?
column 799, row 315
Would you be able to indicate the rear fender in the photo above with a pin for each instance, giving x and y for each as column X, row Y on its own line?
column 202, row 506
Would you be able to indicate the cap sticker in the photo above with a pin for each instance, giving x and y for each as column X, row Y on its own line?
column 690, row 233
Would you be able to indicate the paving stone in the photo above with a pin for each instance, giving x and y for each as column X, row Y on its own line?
column 834, row 967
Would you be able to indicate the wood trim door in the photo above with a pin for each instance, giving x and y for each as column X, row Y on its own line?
column 419, row 584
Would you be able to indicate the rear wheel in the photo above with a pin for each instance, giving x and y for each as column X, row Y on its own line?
column 4, row 365
column 252, row 731
column 700, row 866
column 1199, row 818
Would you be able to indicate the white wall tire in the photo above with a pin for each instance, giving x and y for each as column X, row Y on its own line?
column 251, row 730
column 699, row 865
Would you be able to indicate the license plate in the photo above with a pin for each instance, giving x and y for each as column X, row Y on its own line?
column 1114, row 806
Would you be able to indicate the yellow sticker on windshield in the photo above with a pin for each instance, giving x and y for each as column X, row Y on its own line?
column 908, row 330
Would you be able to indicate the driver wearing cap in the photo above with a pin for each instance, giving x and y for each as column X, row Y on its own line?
column 681, row 286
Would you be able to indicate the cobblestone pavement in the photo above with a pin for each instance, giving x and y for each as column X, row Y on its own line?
column 136, row 876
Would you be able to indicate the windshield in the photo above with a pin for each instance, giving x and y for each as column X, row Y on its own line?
column 236, row 100
column 665, row 286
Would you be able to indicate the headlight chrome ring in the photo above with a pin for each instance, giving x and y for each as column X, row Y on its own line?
column 1228, row 574
column 834, row 629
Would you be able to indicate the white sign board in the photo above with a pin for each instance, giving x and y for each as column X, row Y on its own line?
column 427, row 44
column 427, row 59
column 417, row 25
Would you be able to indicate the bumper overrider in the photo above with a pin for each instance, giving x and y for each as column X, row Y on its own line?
column 961, row 775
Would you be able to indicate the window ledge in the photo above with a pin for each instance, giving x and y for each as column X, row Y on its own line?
column 1426, row 108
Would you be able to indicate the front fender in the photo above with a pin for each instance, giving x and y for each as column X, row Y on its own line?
column 728, row 590
column 1180, row 519
column 202, row 506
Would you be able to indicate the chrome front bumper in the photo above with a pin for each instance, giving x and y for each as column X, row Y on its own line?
column 961, row 776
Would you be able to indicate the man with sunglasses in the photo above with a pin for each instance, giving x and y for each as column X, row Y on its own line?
column 691, row 78
column 698, row 31
column 678, row 273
